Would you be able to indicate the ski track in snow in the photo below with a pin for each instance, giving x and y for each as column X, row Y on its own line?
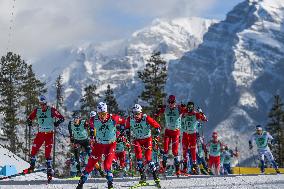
column 199, row 182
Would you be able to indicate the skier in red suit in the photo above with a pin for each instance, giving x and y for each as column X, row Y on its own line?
column 44, row 115
column 140, row 126
column 190, row 121
column 173, row 115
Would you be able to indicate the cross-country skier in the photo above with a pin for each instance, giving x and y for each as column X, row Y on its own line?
column 140, row 130
column 262, row 138
column 190, row 121
column 45, row 116
column 172, row 114
column 78, row 130
column 120, row 153
column 105, row 143
column 201, row 153
column 214, row 146
column 226, row 158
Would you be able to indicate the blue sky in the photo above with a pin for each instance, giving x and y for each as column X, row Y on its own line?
column 41, row 26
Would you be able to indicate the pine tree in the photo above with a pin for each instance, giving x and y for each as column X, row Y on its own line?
column 154, row 77
column 12, row 74
column 31, row 89
column 111, row 101
column 59, row 104
column 276, row 129
column 89, row 100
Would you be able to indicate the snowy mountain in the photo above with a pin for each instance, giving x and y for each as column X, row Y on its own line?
column 236, row 71
column 117, row 62
column 232, row 71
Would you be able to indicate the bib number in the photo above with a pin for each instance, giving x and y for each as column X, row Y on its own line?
column 139, row 128
column 104, row 129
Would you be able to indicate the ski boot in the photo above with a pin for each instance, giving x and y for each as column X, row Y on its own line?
column 49, row 170
column 82, row 180
column 109, row 177
column 262, row 169
column 79, row 186
column 156, row 179
column 142, row 178
column 155, row 174
column 195, row 169
column 164, row 161
column 99, row 168
column 210, row 171
column 32, row 166
column 184, row 169
column 177, row 167
column 140, row 168
column 275, row 167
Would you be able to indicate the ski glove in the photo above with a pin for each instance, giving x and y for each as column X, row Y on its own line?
column 71, row 139
column 157, row 131
column 273, row 142
column 57, row 123
column 29, row 122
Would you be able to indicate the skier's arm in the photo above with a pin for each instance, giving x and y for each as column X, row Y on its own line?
column 70, row 132
column 201, row 117
column 182, row 108
column 118, row 120
column 56, row 114
column 152, row 122
column 160, row 112
column 269, row 136
column 92, row 127
column 250, row 142
column 32, row 116
column 127, row 127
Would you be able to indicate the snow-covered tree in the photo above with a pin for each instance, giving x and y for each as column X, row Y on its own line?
column 111, row 101
column 276, row 128
column 12, row 74
column 154, row 77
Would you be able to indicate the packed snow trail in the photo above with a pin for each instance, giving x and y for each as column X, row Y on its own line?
column 200, row 181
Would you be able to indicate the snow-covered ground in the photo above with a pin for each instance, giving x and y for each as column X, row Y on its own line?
column 8, row 158
column 232, row 181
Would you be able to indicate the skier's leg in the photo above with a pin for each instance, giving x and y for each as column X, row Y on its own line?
column 175, row 142
column 153, row 169
column 76, row 147
column 217, row 165
column 137, row 149
column 225, row 169
column 109, row 156
column 271, row 159
column 96, row 155
column 185, row 144
column 138, row 154
column 38, row 141
column 175, row 146
column 192, row 142
column 147, row 145
column 87, row 147
column 48, row 137
column 166, row 148
column 140, row 168
column 122, row 157
column 230, row 169
column 210, row 162
column 261, row 159
column 49, row 168
column 48, row 144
